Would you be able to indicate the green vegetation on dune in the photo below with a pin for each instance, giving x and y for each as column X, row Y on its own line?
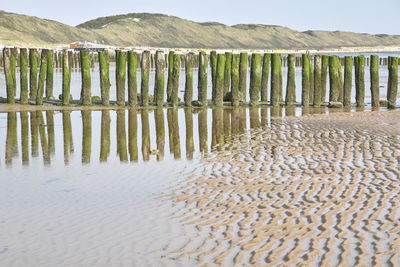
column 158, row 30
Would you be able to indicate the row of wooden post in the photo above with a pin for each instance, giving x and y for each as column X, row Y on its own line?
column 228, row 74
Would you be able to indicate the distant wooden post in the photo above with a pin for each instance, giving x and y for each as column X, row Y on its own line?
column 188, row 96
column 317, row 80
column 255, row 79
column 202, row 83
column 393, row 67
column 219, row 84
column 33, row 72
column 50, row 74
column 348, row 73
column 291, row 84
column 264, row 77
column 86, row 93
column 374, row 77
column 23, row 58
column 305, row 89
column 144, row 89
column 42, row 77
column 132, row 79
column 159, row 79
column 235, row 80
column 104, row 65
column 120, row 76
column 243, row 76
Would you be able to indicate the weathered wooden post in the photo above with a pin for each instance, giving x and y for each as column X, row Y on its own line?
column 189, row 133
column 311, row 92
column 374, row 77
column 25, row 131
column 276, row 79
column 264, row 77
column 132, row 79
column 160, row 130
column 133, row 146
column 121, row 134
column 33, row 71
column 23, row 58
column 86, row 128
column 213, row 63
column 291, row 84
column 42, row 77
column 227, row 73
column 144, row 89
column 348, row 73
column 393, row 67
column 255, row 79
column 120, row 76
column 243, row 76
column 175, row 79
column 105, row 134
column 202, row 83
column 145, row 133
column 188, row 96
column 170, row 69
column 104, row 65
column 333, row 79
column 219, row 84
column 66, row 78
column 159, row 79
column 50, row 74
column 86, row 93
column 305, row 81
column 9, row 65
column 235, row 80
column 360, row 85
column 324, row 76
column 317, row 80
column 339, row 68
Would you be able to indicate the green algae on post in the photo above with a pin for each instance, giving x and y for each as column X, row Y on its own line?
column 334, row 79
column 8, row 71
column 133, row 146
column 188, row 96
column 120, row 76
column 264, row 77
column 213, row 65
column 393, row 67
column 243, row 76
column 276, row 79
column 291, row 84
column 176, row 66
column 189, row 133
column 86, row 93
column 33, row 71
column 121, row 136
column 305, row 81
column 145, row 134
column 144, row 88
column 317, row 80
column 227, row 73
column 42, row 77
column 202, row 84
column 235, row 80
column 374, row 78
column 67, row 135
column 86, row 134
column 105, row 135
column 104, row 65
column 159, row 79
column 50, row 74
column 348, row 73
column 311, row 92
column 324, row 76
column 255, row 79
column 23, row 58
column 219, row 84
column 24, row 134
column 160, row 132
column 66, row 77
column 170, row 70
column 132, row 79
column 360, row 85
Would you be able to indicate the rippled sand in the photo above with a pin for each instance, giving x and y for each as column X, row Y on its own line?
column 319, row 190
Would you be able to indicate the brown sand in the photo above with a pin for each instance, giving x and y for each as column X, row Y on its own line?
column 320, row 190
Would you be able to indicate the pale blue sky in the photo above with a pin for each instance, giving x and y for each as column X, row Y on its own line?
column 369, row 16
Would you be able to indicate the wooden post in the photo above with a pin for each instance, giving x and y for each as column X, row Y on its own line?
column 160, row 129
column 105, row 133
column 348, row 73
column 339, row 69
column 374, row 77
column 305, row 89
column 104, row 65
column 264, row 77
column 333, row 79
column 255, row 79
column 86, row 127
column 175, row 79
column 170, row 70
column 159, row 79
column 311, row 92
column 360, row 85
column 235, row 80
column 188, row 97
column 291, row 84
column 144, row 89
column 317, row 80
column 243, row 76
column 219, row 84
column 132, row 79
column 393, row 67
column 120, row 76
column 86, row 93
column 324, row 76
column 50, row 74
column 213, row 63
column 33, row 72
column 276, row 79
column 23, row 58
column 66, row 77
column 9, row 65
column 42, row 77
column 202, row 83
column 227, row 74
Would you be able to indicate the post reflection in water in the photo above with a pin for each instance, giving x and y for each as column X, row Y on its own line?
column 227, row 125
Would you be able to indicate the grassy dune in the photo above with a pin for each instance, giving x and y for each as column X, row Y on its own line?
column 143, row 29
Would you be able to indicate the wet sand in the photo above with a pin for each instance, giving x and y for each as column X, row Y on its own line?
column 320, row 190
